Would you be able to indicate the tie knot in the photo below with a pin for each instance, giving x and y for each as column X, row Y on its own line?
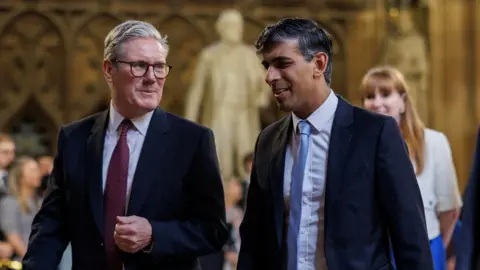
column 125, row 126
column 304, row 127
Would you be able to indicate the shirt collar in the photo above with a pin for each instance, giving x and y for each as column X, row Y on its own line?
column 321, row 115
column 141, row 123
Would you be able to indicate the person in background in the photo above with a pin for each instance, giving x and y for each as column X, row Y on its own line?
column 245, row 182
column 385, row 91
column 19, row 207
column 7, row 156
column 45, row 165
column 233, row 194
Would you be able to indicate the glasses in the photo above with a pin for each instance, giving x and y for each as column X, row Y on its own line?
column 140, row 68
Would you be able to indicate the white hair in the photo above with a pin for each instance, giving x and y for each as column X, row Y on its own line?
column 126, row 31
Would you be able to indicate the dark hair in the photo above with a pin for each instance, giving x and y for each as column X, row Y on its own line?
column 311, row 39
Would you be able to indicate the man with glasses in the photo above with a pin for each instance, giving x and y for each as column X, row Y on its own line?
column 133, row 187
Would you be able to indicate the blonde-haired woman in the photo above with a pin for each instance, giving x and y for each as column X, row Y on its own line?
column 18, row 209
column 384, row 90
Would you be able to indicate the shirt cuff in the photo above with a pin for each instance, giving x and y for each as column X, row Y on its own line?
column 148, row 249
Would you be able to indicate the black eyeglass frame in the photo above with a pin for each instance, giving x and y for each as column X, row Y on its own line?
column 132, row 63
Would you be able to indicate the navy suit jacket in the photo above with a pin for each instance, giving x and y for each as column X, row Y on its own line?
column 176, row 186
column 468, row 241
column 371, row 194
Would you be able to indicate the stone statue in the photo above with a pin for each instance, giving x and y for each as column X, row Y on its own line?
column 407, row 50
column 227, row 92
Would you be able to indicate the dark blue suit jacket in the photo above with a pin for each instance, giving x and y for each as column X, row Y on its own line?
column 468, row 241
column 371, row 193
column 177, row 187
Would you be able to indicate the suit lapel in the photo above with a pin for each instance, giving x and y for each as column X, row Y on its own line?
column 277, row 166
column 340, row 138
column 156, row 141
column 94, row 163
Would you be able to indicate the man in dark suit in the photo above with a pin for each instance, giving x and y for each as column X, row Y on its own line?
column 332, row 185
column 467, row 238
column 133, row 187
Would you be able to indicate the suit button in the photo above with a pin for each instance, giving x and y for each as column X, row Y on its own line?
column 101, row 244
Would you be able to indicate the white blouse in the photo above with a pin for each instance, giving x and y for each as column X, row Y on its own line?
column 438, row 180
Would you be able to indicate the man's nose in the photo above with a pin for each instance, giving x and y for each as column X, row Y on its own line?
column 272, row 75
column 150, row 74
column 377, row 101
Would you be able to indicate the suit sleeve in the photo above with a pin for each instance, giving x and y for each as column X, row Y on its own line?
column 251, row 221
column 468, row 231
column 401, row 201
column 49, row 236
column 205, row 230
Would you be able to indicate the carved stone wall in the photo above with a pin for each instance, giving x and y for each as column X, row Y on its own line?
column 52, row 50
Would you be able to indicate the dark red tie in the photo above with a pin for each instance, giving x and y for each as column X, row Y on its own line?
column 115, row 194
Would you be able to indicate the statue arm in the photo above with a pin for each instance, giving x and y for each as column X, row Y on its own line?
column 197, row 88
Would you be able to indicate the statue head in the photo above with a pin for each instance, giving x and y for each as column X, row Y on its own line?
column 230, row 26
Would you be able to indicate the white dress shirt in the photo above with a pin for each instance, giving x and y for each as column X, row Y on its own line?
column 311, row 254
column 135, row 139
column 438, row 180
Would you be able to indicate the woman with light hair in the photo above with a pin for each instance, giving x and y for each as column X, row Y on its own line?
column 20, row 206
column 384, row 90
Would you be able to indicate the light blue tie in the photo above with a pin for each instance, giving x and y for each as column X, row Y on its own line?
column 296, row 196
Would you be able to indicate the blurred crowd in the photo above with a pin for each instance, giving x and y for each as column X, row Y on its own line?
column 23, row 183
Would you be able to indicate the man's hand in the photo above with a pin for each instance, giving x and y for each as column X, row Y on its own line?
column 132, row 233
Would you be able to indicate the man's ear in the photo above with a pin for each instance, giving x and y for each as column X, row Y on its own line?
column 321, row 61
column 108, row 68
